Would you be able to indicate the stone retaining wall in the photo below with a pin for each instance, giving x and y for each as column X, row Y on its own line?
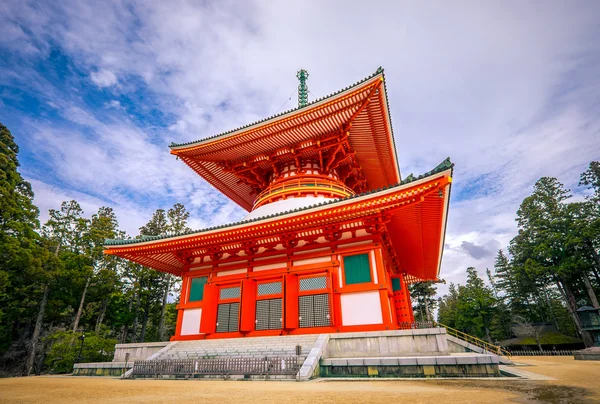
column 142, row 350
column 100, row 368
column 427, row 341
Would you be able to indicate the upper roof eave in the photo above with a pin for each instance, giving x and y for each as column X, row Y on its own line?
column 175, row 147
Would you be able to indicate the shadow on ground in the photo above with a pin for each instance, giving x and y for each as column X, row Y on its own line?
column 532, row 392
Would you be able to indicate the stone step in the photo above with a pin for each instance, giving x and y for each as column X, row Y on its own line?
column 255, row 347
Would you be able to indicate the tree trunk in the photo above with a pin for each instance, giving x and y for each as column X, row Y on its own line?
column 81, row 302
column 596, row 274
column 590, row 290
column 572, row 308
column 145, row 320
column 102, row 313
column 427, row 312
column 125, row 328
column 40, row 362
column 163, row 309
column 421, row 311
column 36, row 331
column 136, row 318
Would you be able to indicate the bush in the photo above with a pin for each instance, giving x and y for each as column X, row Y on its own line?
column 65, row 347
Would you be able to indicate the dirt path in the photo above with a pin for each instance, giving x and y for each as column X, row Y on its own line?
column 577, row 382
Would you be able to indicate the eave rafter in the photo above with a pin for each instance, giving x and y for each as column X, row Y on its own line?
column 330, row 151
column 149, row 261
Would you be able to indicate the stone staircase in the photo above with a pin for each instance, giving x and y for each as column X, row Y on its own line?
column 275, row 356
column 255, row 347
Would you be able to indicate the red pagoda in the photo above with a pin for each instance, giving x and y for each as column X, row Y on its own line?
column 333, row 235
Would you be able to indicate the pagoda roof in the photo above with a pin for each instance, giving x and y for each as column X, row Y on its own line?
column 417, row 232
column 360, row 109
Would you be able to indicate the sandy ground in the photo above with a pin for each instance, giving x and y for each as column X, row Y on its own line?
column 576, row 382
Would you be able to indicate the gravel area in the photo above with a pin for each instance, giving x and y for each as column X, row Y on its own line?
column 576, row 382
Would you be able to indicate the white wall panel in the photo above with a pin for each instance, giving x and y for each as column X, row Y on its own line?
column 232, row 272
column 373, row 267
column 191, row 321
column 361, row 308
column 269, row 266
column 316, row 260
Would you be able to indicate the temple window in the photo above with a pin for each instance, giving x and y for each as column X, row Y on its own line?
column 357, row 269
column 227, row 317
column 313, row 283
column 229, row 293
column 269, row 306
column 314, row 308
column 228, row 310
column 396, row 285
column 197, row 289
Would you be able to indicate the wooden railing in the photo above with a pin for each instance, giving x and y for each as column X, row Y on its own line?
column 486, row 346
column 416, row 325
column 302, row 184
column 287, row 365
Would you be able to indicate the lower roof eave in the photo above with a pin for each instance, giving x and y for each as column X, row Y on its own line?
column 154, row 252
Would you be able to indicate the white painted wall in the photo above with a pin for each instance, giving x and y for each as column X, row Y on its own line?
column 365, row 242
column 361, row 308
column 285, row 204
column 269, row 266
column 232, row 272
column 314, row 260
column 199, row 268
column 191, row 321
column 373, row 267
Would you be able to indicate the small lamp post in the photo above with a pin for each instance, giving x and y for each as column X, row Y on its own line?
column 82, row 339
column 590, row 322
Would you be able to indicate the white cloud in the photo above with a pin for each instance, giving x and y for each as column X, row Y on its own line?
column 104, row 78
column 114, row 104
column 508, row 90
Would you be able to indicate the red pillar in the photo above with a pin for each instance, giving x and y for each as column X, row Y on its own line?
column 248, row 309
column 404, row 312
column 291, row 302
column 208, row 321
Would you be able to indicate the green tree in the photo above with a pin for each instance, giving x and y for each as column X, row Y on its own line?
column 423, row 298
column 18, row 248
column 62, row 353
column 25, row 267
column 546, row 250
column 448, row 304
column 477, row 306
column 590, row 226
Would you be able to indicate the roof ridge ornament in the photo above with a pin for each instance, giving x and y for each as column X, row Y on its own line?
column 302, row 88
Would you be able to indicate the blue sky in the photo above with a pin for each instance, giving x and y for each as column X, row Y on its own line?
column 95, row 91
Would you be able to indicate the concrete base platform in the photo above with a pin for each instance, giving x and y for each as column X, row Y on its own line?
column 409, row 353
column 416, row 366
column 589, row 354
column 101, row 368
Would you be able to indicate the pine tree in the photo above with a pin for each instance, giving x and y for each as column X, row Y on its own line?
column 542, row 252
column 422, row 295
column 25, row 267
column 448, row 307
column 590, row 226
